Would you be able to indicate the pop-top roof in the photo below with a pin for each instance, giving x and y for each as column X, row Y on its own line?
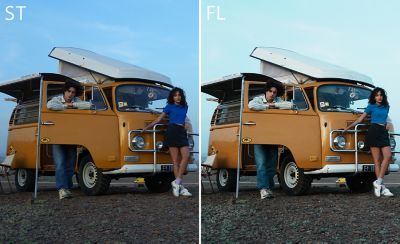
column 291, row 67
column 29, row 85
column 230, row 86
column 87, row 66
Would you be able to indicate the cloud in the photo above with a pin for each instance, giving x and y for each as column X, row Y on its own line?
column 118, row 30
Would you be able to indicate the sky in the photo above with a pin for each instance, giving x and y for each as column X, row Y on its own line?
column 363, row 36
column 160, row 35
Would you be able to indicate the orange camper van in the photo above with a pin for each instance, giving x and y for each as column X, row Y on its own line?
column 124, row 99
column 326, row 98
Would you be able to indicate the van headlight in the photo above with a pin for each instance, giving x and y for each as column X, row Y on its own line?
column 360, row 145
column 191, row 142
column 159, row 145
column 392, row 143
column 339, row 142
column 138, row 142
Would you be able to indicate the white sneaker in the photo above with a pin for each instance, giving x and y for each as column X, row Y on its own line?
column 175, row 188
column 266, row 193
column 63, row 193
column 385, row 192
column 184, row 192
column 377, row 188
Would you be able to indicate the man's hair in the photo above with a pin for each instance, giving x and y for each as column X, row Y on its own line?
column 75, row 84
column 172, row 93
column 274, row 83
column 375, row 92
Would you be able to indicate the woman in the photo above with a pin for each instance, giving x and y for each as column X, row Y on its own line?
column 377, row 137
column 176, row 137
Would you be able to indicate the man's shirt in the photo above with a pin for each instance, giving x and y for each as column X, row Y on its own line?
column 260, row 103
column 58, row 103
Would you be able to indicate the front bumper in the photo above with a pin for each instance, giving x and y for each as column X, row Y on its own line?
column 148, row 168
column 347, row 168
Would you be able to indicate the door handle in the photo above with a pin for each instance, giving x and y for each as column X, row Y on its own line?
column 48, row 123
column 249, row 123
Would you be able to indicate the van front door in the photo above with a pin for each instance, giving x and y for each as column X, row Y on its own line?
column 95, row 129
column 296, row 129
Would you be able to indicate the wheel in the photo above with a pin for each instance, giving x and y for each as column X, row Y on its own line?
column 293, row 180
column 360, row 183
column 226, row 179
column 91, row 179
column 25, row 180
column 159, row 182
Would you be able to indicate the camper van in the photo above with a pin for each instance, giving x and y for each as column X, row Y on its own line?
column 326, row 98
column 124, row 99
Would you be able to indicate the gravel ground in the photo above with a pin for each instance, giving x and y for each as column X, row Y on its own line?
column 126, row 214
column 328, row 214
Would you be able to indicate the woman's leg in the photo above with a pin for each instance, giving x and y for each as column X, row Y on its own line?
column 376, row 155
column 184, row 160
column 174, row 153
column 387, row 158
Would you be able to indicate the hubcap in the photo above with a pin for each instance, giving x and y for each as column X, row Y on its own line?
column 21, row 177
column 291, row 175
column 89, row 175
column 223, row 177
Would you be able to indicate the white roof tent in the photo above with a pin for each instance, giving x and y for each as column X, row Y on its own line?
column 291, row 67
column 229, row 87
column 28, row 86
column 89, row 67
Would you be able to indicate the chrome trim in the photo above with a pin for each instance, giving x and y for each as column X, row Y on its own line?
column 332, row 158
column 154, row 150
column 48, row 123
column 250, row 123
column 145, row 168
column 346, row 168
column 239, row 153
column 38, row 137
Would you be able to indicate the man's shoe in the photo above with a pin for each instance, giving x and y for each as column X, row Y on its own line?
column 377, row 188
column 175, row 188
column 266, row 193
column 63, row 193
column 184, row 192
column 69, row 193
column 385, row 192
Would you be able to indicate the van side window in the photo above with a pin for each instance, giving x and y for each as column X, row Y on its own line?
column 297, row 96
column 227, row 113
column 108, row 93
column 27, row 112
column 97, row 99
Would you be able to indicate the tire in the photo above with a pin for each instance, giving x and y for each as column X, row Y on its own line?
column 226, row 180
column 159, row 183
column 25, row 180
column 293, row 180
column 91, row 179
column 360, row 183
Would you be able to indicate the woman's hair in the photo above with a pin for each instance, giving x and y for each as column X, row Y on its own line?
column 172, row 93
column 375, row 92
column 72, row 83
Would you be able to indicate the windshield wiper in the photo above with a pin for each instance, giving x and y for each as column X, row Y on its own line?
column 343, row 108
column 136, row 107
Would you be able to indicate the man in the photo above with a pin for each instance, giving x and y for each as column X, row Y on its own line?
column 266, row 156
column 65, row 155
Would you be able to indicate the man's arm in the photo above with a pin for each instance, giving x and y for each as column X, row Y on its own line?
column 56, row 104
column 79, row 104
column 258, row 104
column 284, row 105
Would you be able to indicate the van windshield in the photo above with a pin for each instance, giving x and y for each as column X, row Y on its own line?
column 141, row 98
column 342, row 98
